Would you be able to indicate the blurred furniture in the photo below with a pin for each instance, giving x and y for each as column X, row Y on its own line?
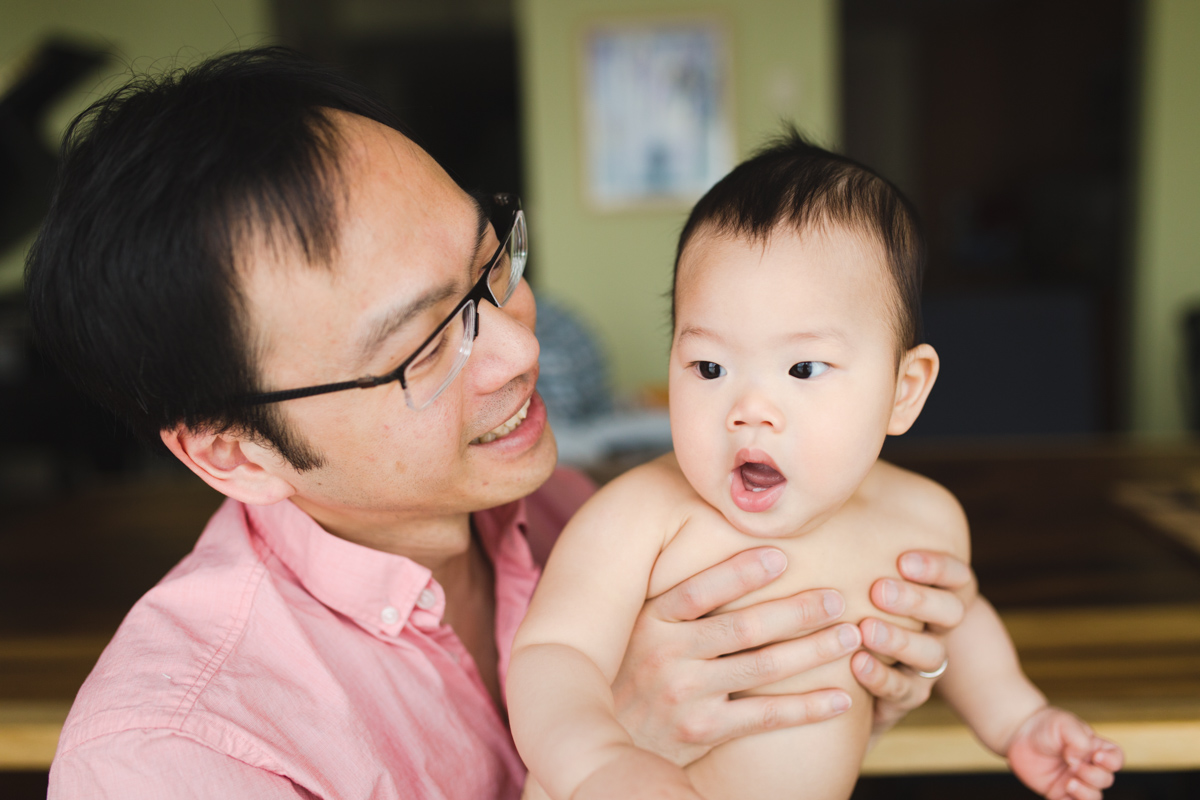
column 1191, row 349
column 1074, row 543
column 27, row 162
column 591, row 430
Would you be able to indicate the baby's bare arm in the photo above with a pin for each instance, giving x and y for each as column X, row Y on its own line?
column 984, row 682
column 1051, row 750
column 569, row 648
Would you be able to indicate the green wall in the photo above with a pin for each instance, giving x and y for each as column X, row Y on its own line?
column 1167, row 257
column 143, row 34
column 615, row 267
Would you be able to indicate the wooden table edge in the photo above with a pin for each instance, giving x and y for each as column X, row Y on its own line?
column 931, row 749
column 939, row 749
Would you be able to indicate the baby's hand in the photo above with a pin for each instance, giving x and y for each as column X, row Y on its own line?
column 637, row 774
column 1058, row 756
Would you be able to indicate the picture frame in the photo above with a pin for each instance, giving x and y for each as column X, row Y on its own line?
column 656, row 112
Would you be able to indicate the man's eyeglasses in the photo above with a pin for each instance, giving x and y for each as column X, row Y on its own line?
column 436, row 363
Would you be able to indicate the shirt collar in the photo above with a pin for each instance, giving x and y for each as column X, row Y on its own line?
column 380, row 591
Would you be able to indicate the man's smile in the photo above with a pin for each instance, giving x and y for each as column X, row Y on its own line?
column 507, row 427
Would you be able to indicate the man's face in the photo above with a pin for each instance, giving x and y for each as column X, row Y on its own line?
column 782, row 374
column 409, row 249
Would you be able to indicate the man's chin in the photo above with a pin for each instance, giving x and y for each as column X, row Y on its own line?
column 512, row 480
column 544, row 459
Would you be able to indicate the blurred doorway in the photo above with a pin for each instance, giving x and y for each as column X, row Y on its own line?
column 1009, row 123
column 448, row 69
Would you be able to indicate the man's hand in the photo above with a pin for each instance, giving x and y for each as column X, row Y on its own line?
column 672, row 691
column 938, row 590
column 1058, row 756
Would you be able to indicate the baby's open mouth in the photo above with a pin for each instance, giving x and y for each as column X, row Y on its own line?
column 757, row 484
column 760, row 477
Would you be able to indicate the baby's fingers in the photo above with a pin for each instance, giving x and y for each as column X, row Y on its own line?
column 1096, row 777
column 1108, row 756
column 1078, row 740
column 1095, row 774
column 1078, row 790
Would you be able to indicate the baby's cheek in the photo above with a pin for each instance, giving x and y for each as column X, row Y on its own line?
column 699, row 463
column 697, row 441
column 854, row 448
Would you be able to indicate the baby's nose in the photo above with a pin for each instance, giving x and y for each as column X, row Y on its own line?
column 754, row 408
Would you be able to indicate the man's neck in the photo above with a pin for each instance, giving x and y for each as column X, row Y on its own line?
column 454, row 555
column 437, row 543
column 470, row 586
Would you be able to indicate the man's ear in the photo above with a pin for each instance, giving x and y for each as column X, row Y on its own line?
column 917, row 373
column 234, row 466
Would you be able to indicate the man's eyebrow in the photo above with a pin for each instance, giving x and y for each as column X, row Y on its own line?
column 482, row 223
column 397, row 317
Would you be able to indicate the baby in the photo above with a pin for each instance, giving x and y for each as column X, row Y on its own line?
column 795, row 352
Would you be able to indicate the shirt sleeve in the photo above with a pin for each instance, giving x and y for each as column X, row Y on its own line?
column 161, row 765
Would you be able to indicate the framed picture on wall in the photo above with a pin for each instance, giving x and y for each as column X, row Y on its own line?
column 656, row 112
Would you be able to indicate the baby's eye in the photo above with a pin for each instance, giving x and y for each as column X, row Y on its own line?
column 709, row 370
column 808, row 369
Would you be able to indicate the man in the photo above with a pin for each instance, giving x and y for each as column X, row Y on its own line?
column 228, row 252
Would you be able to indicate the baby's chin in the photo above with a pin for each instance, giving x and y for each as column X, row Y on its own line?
column 781, row 521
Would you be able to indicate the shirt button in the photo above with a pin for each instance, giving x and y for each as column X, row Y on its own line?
column 390, row 616
column 426, row 599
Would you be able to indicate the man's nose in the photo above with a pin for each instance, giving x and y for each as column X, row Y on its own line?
column 754, row 408
column 506, row 346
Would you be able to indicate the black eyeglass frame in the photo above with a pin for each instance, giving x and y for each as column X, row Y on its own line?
column 482, row 290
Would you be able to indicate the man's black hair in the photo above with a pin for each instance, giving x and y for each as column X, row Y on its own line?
column 133, row 282
column 795, row 184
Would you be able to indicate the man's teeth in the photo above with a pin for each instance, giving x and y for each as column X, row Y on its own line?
column 507, row 427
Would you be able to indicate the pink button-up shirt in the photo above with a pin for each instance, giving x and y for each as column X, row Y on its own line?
column 277, row 660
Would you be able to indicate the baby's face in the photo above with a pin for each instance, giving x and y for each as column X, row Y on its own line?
column 782, row 375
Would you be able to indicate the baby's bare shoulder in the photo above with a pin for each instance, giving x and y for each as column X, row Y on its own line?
column 657, row 488
column 918, row 502
column 658, row 478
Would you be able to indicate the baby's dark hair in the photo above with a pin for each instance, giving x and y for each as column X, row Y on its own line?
column 792, row 182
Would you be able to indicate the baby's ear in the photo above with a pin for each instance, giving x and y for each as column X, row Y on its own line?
column 914, row 380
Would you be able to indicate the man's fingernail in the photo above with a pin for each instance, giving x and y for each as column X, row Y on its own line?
column 834, row 605
column 773, row 561
column 879, row 634
column 891, row 592
column 868, row 665
column 1073, row 786
column 913, row 566
column 848, row 636
column 840, row 702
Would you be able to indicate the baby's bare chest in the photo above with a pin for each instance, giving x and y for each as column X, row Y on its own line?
column 848, row 553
